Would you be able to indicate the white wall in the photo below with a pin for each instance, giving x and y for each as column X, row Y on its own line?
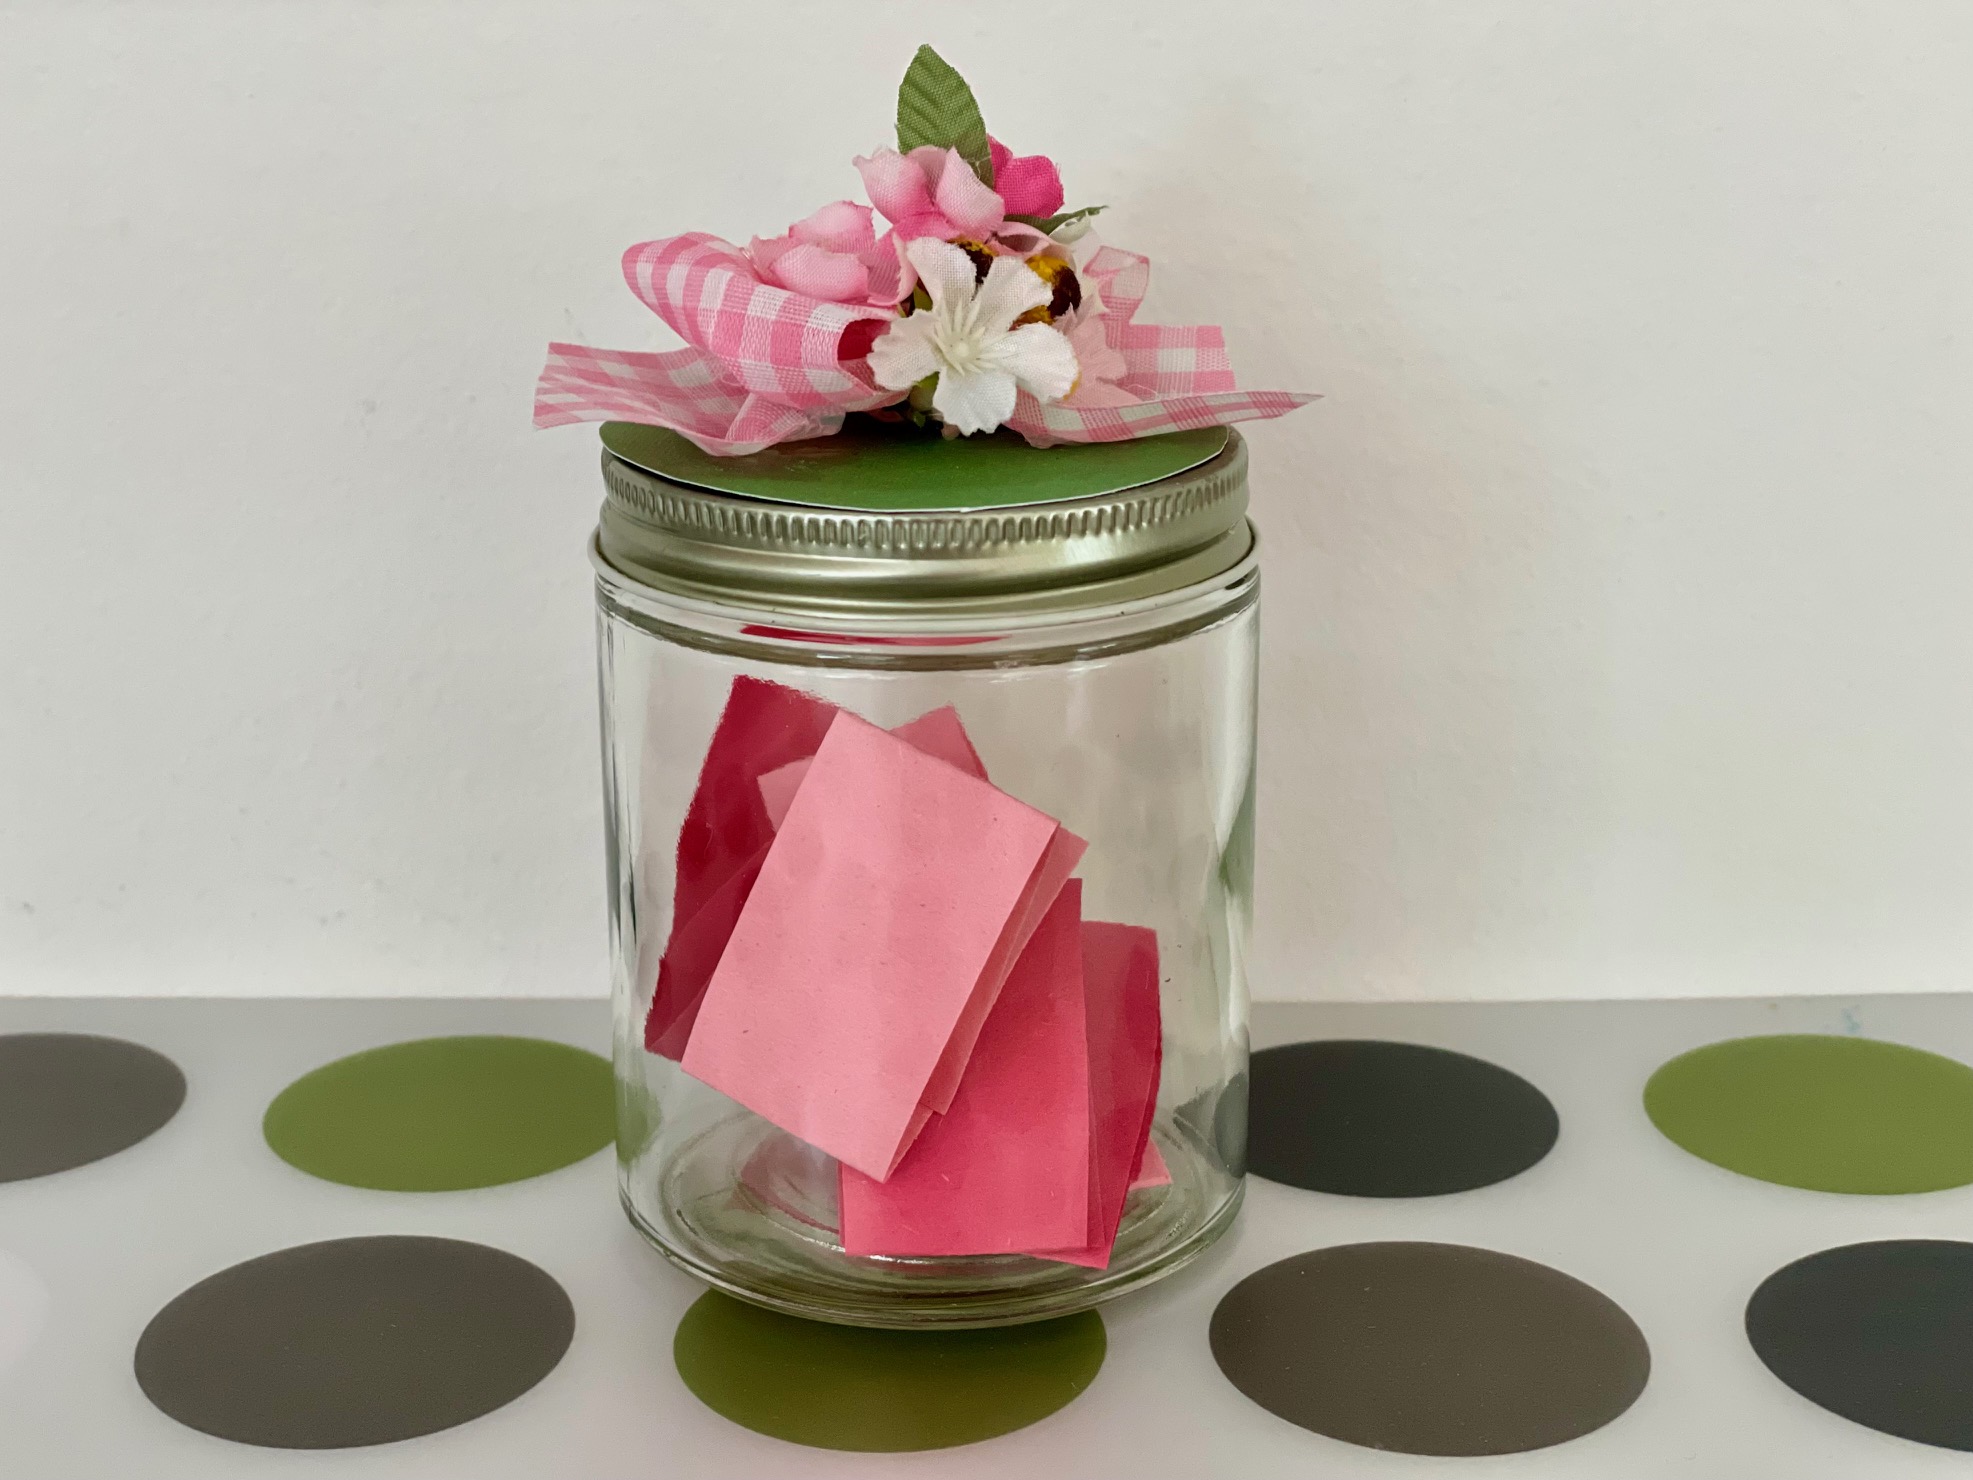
column 1617, row 633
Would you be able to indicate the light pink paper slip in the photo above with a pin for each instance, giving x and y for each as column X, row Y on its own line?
column 762, row 726
column 896, row 895
column 1007, row 1168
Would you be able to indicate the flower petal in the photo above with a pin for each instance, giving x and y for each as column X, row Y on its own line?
column 1010, row 290
column 840, row 226
column 978, row 402
column 1029, row 184
column 947, row 272
column 903, row 355
column 834, row 277
column 1039, row 358
column 964, row 201
column 926, row 223
column 897, row 186
column 765, row 251
column 891, row 275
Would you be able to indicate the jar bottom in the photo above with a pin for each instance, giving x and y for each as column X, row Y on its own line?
column 750, row 1210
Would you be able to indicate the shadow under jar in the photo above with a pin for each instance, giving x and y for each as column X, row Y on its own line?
column 1101, row 656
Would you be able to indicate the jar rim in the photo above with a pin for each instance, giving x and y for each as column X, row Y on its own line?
column 1035, row 560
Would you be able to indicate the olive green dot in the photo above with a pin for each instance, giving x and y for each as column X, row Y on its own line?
column 1826, row 1113
column 847, row 1387
column 441, row 1114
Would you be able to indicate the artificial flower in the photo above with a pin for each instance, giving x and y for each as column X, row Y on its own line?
column 969, row 340
column 931, row 192
column 834, row 255
column 1027, row 184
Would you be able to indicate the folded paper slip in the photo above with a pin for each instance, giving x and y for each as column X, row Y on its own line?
column 1007, row 1168
column 1126, row 1055
column 895, row 897
column 761, row 724
column 724, row 840
column 939, row 733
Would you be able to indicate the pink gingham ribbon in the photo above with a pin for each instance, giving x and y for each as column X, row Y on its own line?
column 763, row 365
column 1179, row 372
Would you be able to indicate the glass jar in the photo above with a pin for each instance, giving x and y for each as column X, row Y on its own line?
column 1100, row 655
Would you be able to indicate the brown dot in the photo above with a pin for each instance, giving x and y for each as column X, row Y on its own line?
column 1429, row 1348
column 355, row 1341
column 67, row 1099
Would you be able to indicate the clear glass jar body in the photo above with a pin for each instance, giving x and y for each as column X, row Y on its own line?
column 1132, row 725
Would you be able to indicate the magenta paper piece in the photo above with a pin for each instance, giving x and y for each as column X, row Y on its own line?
column 724, row 837
column 1151, row 1168
column 778, row 788
column 1007, row 1168
column 1126, row 1052
column 690, row 956
column 870, row 933
column 937, row 733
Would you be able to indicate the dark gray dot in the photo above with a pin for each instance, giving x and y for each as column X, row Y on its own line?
column 1429, row 1348
column 67, row 1099
column 355, row 1341
column 1881, row 1333
column 1372, row 1119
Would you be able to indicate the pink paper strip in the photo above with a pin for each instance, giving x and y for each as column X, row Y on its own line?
column 868, row 936
column 1008, row 1167
column 1126, row 1050
column 1064, row 852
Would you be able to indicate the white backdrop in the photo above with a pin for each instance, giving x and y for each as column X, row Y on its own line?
column 1617, row 636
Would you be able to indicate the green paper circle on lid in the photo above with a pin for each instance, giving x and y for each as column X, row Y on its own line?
column 443, row 1114
column 848, row 1387
column 871, row 466
column 1826, row 1113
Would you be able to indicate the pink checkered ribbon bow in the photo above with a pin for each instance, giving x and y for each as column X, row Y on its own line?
column 1175, row 376
column 763, row 365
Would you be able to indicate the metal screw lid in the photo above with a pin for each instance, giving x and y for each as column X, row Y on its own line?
column 1131, row 545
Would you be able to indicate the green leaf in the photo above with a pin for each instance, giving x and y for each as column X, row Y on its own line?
column 936, row 107
column 1047, row 224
